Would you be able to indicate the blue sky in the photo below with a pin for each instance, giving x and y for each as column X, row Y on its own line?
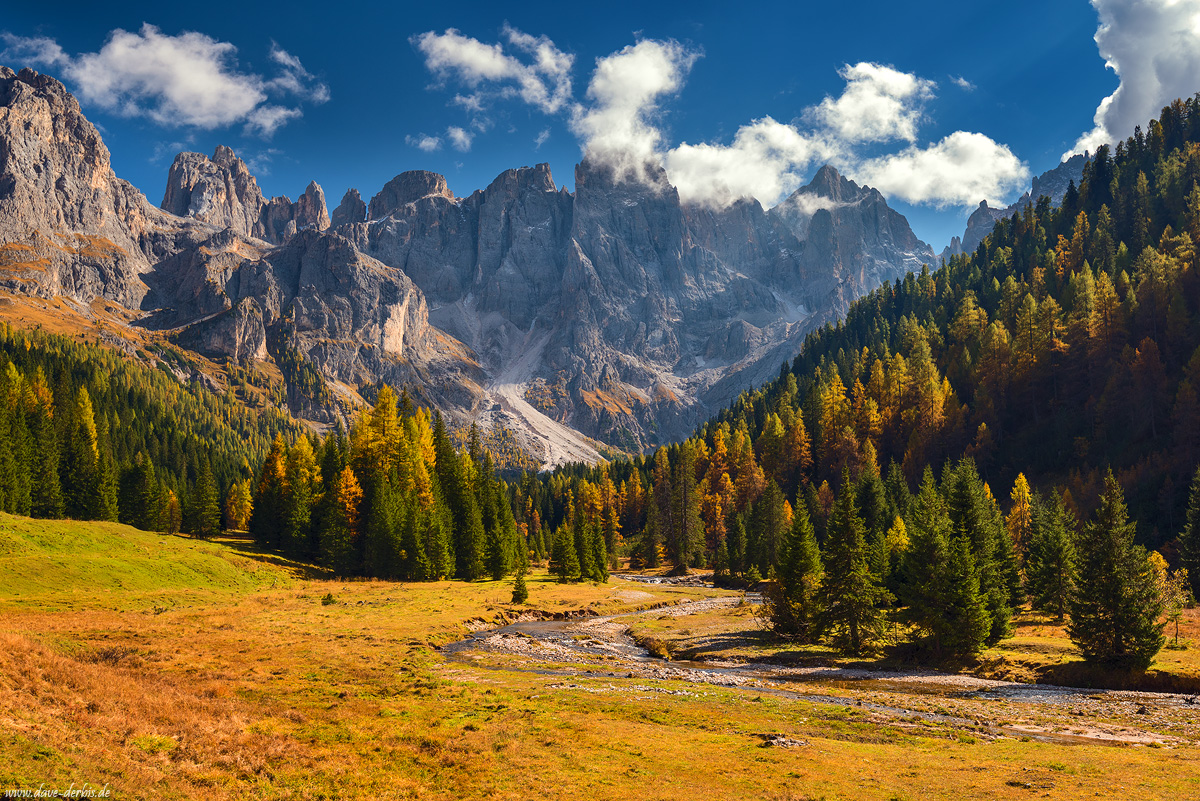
column 936, row 103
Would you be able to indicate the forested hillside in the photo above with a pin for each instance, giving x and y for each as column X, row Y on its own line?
column 1001, row 387
column 87, row 433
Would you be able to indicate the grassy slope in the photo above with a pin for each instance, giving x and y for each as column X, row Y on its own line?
column 63, row 564
column 248, row 686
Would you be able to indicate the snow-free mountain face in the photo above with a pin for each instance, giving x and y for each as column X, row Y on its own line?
column 1052, row 184
column 614, row 314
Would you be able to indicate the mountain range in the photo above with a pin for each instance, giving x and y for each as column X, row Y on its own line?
column 611, row 317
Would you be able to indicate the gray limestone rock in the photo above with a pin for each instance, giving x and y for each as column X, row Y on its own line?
column 352, row 209
column 219, row 191
column 68, row 225
column 406, row 188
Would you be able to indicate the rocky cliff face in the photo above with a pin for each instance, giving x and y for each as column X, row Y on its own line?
column 68, row 225
column 614, row 312
column 616, row 309
column 853, row 240
column 205, row 269
column 221, row 191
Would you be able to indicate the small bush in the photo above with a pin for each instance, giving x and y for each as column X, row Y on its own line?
column 328, row 599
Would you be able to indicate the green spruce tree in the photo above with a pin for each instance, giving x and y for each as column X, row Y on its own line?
column 792, row 598
column 850, row 595
column 1189, row 538
column 1050, row 557
column 1116, row 605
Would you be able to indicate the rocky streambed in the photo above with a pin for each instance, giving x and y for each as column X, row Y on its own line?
column 601, row 648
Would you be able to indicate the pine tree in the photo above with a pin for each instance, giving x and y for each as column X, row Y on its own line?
column 1050, row 556
column 382, row 521
column 301, row 482
column 877, row 516
column 792, row 597
column 850, row 595
column 768, row 526
column 520, row 593
column 964, row 620
column 341, row 529
column 976, row 517
column 204, row 510
column 737, row 545
column 1189, row 538
column 564, row 560
column 652, row 535
column 1115, row 609
column 686, row 539
column 266, row 517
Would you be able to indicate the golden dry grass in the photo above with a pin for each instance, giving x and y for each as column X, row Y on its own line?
column 261, row 691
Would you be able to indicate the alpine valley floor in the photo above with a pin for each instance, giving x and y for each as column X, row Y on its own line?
column 164, row 667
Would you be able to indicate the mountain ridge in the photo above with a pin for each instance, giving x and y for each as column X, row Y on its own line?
column 615, row 311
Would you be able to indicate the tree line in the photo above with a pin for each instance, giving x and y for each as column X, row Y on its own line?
column 89, row 434
column 393, row 499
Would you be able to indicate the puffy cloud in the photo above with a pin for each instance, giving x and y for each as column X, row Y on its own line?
column 189, row 80
column 424, row 142
column 960, row 170
column 618, row 124
column 962, row 83
column 39, row 50
column 879, row 104
column 544, row 82
column 765, row 160
column 1154, row 48
column 618, row 128
column 459, row 138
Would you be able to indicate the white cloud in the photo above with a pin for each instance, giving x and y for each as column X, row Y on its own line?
column 542, row 80
column 766, row 159
column 962, row 83
column 1154, row 48
column 960, row 170
column 618, row 128
column 424, row 142
column 542, row 137
column 619, row 124
column 294, row 79
column 41, row 50
column 185, row 80
column 259, row 163
column 459, row 138
column 472, row 102
column 879, row 104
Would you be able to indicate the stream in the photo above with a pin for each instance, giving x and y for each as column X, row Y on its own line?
column 603, row 648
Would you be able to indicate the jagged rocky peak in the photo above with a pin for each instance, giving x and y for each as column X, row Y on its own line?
column 827, row 190
column 310, row 211
column 829, row 183
column 352, row 209
column 68, row 225
column 219, row 191
column 523, row 179
column 406, row 188
column 861, row 217
column 980, row 224
column 1052, row 184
